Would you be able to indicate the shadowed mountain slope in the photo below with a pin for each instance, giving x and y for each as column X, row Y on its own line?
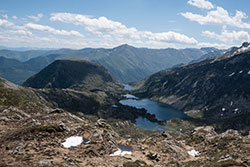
column 69, row 74
column 217, row 89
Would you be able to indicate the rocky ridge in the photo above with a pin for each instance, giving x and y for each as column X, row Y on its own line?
column 215, row 90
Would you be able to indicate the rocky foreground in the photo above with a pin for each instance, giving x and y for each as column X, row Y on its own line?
column 32, row 133
column 35, row 139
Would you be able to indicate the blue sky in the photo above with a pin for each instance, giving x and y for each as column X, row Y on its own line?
column 109, row 23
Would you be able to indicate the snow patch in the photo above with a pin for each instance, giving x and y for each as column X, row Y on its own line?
column 223, row 109
column 248, row 73
column 237, row 109
column 193, row 153
column 119, row 152
column 241, row 72
column 122, row 150
column 241, row 50
column 231, row 103
column 231, row 74
column 73, row 141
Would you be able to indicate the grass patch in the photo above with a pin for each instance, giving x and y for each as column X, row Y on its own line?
column 194, row 113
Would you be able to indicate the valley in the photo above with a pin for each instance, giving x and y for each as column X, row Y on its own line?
column 78, row 98
column 115, row 83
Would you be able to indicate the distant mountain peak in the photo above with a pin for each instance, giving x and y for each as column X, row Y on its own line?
column 124, row 46
column 245, row 44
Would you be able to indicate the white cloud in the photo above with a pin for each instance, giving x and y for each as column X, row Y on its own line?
column 170, row 36
column 14, row 40
column 219, row 16
column 39, row 27
column 5, row 23
column 215, row 45
column 5, row 16
column 228, row 37
column 36, row 18
column 103, row 27
column 14, row 17
column 203, row 4
column 21, row 32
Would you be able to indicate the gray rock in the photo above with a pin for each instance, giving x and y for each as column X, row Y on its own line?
column 45, row 163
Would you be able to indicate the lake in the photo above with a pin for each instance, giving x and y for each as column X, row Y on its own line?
column 162, row 111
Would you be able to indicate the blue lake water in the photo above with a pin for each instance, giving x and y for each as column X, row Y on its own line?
column 162, row 112
column 128, row 87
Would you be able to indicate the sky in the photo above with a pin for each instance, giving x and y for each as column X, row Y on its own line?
column 109, row 23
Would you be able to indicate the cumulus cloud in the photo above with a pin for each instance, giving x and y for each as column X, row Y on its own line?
column 5, row 23
column 20, row 32
column 215, row 45
column 219, row 16
column 36, row 18
column 54, row 31
column 105, row 27
column 203, row 4
column 14, row 17
column 12, row 39
column 228, row 37
column 170, row 36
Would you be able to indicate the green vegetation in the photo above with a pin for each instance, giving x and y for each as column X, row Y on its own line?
column 9, row 97
column 194, row 113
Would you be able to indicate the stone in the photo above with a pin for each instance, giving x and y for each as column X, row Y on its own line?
column 153, row 156
column 45, row 163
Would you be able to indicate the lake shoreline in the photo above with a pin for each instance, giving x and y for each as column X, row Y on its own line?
column 157, row 113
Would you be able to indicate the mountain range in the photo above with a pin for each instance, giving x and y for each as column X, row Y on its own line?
column 126, row 63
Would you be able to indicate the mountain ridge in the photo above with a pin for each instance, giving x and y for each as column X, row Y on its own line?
column 126, row 63
column 215, row 89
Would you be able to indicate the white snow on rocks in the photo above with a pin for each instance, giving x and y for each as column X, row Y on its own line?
column 223, row 109
column 248, row 73
column 231, row 74
column 193, row 153
column 119, row 152
column 72, row 141
column 122, row 150
column 241, row 50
